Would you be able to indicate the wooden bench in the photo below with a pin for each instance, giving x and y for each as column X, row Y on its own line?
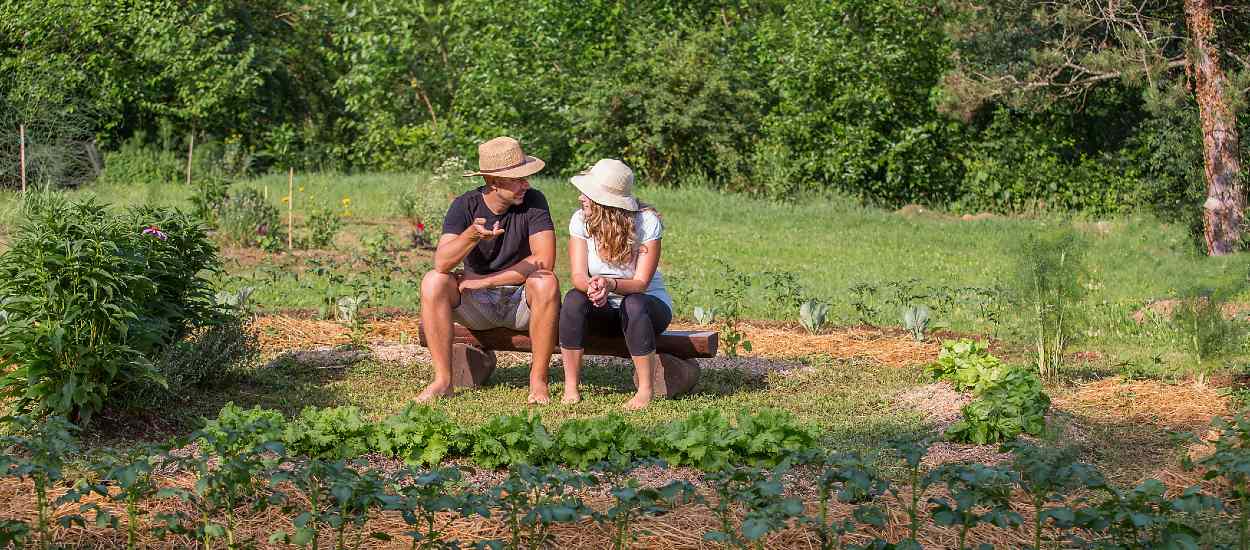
column 473, row 355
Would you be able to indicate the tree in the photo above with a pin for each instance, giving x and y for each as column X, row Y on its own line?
column 1030, row 53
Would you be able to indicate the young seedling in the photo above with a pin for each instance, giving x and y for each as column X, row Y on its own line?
column 978, row 494
column 633, row 501
column 45, row 446
column 421, row 496
column 533, row 499
column 912, row 453
column 813, row 315
column 849, row 479
column 760, row 492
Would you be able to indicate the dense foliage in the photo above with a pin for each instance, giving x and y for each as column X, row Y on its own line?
column 89, row 297
column 772, row 97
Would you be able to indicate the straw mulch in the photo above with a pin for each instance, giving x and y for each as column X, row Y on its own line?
column 1173, row 406
column 282, row 333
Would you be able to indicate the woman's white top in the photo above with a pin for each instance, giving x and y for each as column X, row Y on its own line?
column 648, row 228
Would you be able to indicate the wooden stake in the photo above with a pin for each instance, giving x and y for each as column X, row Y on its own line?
column 21, row 139
column 190, row 153
column 290, row 206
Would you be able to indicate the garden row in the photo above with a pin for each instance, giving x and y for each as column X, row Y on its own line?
column 1046, row 492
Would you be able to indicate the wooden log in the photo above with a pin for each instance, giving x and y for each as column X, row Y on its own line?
column 682, row 344
column 672, row 376
column 471, row 366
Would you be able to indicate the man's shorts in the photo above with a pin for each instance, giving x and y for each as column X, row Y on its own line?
column 488, row 308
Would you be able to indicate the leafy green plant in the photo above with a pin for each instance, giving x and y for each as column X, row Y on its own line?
column 419, row 434
column 1142, row 517
column 131, row 473
column 226, row 481
column 704, row 439
column 323, row 225
column 632, row 501
column 1048, row 279
column 45, row 445
column 849, row 479
column 767, row 436
column 913, row 453
column 1230, row 463
column 89, row 296
column 783, row 288
column 916, row 321
column 978, row 494
column 760, row 492
column 1048, row 476
column 732, row 298
column 236, row 430
column 813, row 315
column 512, row 439
column 246, row 216
column 863, row 296
column 423, row 495
column 332, row 433
column 1009, row 402
column 704, row 316
column 608, row 440
column 963, row 363
column 532, row 499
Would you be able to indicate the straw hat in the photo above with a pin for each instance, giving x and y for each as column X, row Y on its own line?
column 502, row 157
column 610, row 183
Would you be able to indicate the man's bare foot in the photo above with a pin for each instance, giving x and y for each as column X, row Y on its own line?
column 572, row 397
column 538, row 395
column 640, row 401
column 433, row 392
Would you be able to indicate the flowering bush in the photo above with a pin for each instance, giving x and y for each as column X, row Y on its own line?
column 87, row 297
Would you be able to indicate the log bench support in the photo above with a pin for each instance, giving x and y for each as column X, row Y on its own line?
column 473, row 355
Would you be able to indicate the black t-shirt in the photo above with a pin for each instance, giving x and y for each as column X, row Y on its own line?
column 518, row 223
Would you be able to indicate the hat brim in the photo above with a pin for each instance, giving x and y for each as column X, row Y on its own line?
column 595, row 193
column 531, row 166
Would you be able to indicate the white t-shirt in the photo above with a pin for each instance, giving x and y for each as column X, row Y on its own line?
column 648, row 228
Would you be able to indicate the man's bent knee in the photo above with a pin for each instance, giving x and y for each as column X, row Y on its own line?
column 436, row 285
column 542, row 285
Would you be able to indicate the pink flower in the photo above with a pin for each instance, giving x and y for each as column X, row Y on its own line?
column 155, row 232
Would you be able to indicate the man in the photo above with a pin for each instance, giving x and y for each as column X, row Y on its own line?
column 503, row 234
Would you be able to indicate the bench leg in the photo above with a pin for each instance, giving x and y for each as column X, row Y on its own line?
column 470, row 366
column 673, row 376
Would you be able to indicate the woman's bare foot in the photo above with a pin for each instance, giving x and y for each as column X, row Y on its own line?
column 433, row 392
column 571, row 397
column 640, row 401
column 538, row 395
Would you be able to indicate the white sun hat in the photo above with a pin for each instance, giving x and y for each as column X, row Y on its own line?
column 609, row 183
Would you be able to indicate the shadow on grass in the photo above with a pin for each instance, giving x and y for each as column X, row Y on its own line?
column 616, row 375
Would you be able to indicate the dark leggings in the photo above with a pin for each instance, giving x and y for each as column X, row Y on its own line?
column 640, row 318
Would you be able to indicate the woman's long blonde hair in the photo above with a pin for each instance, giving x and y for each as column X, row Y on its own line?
column 614, row 232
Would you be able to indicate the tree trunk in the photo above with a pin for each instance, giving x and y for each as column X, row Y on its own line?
column 1223, row 213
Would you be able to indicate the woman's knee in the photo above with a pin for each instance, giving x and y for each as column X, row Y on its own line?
column 575, row 299
column 634, row 305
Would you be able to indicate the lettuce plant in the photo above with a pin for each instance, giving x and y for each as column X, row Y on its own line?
column 419, row 434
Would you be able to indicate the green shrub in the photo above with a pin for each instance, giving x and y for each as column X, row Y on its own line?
column 323, row 224
column 88, row 297
column 584, row 442
column 512, row 439
column 1048, row 277
column 205, row 356
column 420, row 435
column 136, row 162
column 245, row 216
column 332, row 434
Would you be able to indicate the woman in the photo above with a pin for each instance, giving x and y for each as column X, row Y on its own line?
column 614, row 252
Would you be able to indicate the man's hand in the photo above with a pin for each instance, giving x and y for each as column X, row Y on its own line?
column 479, row 232
column 465, row 281
column 597, row 291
